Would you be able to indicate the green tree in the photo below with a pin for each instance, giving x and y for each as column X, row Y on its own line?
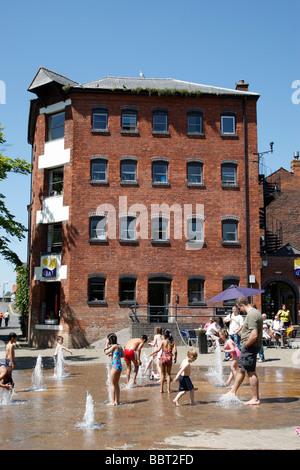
column 22, row 296
column 9, row 227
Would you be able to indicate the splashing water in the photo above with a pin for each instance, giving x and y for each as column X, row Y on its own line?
column 215, row 374
column 108, row 386
column 37, row 375
column 144, row 361
column 2, row 352
column 7, row 396
column 89, row 415
column 229, row 400
column 60, row 365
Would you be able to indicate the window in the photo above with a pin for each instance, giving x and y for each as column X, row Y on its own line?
column 195, row 229
column 227, row 124
column 54, row 238
column 160, row 121
column 160, row 228
column 129, row 121
column 127, row 290
column 100, row 119
column 98, row 170
column 196, row 290
column 96, row 289
column 194, row 123
column 128, row 170
column 230, row 232
column 195, row 173
column 56, row 126
column 128, row 228
column 56, row 181
column 229, row 174
column 227, row 282
column 234, row 281
column 98, row 228
column 160, row 172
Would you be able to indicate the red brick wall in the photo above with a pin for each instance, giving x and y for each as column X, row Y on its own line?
column 86, row 323
column 286, row 207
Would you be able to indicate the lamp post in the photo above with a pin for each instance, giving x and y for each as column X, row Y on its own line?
column 260, row 154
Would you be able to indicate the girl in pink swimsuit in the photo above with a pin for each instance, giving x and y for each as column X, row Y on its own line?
column 168, row 348
column 231, row 348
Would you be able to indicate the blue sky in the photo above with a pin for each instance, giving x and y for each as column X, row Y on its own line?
column 212, row 43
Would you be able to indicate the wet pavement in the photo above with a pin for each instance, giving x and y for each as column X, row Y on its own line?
column 145, row 419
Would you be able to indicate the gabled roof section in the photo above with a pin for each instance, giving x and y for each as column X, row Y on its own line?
column 45, row 76
column 122, row 83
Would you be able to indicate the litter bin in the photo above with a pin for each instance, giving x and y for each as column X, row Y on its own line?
column 202, row 342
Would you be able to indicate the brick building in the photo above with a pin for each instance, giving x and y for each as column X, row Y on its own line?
column 280, row 233
column 143, row 191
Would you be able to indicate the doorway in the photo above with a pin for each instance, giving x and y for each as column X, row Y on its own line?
column 159, row 294
column 276, row 294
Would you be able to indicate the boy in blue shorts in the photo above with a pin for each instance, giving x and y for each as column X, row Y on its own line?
column 185, row 384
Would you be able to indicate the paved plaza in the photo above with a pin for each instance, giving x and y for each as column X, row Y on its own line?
column 51, row 418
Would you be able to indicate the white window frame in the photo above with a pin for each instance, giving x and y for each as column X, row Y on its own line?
column 195, row 229
column 51, row 191
column 160, row 228
column 230, row 117
column 127, row 226
column 100, row 230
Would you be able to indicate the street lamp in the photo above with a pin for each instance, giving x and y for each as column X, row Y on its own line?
column 260, row 154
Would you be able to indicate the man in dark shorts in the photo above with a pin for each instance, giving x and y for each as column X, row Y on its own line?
column 251, row 343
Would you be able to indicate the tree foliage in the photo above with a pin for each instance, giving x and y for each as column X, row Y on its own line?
column 22, row 296
column 9, row 227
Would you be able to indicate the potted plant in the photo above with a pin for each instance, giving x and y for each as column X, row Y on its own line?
column 51, row 319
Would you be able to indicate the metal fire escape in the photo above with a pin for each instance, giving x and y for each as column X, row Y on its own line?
column 273, row 236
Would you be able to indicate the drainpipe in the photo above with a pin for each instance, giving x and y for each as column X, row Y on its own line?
column 246, row 190
column 29, row 215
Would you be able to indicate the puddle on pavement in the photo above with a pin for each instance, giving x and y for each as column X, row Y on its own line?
column 48, row 418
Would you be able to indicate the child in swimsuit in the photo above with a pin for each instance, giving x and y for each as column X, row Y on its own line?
column 156, row 343
column 116, row 352
column 231, row 348
column 183, row 376
column 168, row 348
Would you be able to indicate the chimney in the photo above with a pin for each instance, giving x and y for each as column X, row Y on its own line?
column 242, row 86
column 295, row 166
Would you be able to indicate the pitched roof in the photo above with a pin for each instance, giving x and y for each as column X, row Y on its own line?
column 45, row 76
column 121, row 83
column 287, row 250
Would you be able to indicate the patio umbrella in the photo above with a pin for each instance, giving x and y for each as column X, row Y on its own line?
column 235, row 292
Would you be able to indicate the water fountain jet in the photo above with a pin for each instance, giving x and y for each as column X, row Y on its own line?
column 37, row 375
column 89, row 416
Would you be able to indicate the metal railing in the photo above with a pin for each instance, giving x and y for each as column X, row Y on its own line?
column 175, row 313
